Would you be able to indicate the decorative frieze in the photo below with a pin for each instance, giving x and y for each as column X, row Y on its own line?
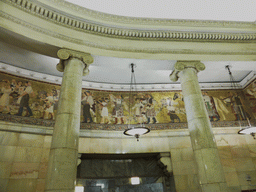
column 109, row 127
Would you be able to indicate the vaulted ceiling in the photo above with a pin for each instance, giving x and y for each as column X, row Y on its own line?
column 217, row 10
column 23, row 55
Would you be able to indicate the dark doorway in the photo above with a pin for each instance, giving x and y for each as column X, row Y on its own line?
column 113, row 173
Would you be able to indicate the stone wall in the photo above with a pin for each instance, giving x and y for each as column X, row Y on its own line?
column 24, row 153
column 23, row 160
column 238, row 157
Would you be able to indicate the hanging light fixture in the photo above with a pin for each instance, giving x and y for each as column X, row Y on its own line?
column 135, row 131
column 249, row 130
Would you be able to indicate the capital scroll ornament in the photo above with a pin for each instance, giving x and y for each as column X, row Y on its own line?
column 65, row 54
column 181, row 65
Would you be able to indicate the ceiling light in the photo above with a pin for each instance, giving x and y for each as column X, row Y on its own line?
column 135, row 180
column 135, row 131
column 249, row 130
column 79, row 189
column 100, row 185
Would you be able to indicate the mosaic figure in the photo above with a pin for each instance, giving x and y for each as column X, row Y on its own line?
column 20, row 90
column 87, row 103
column 150, row 109
column 48, row 107
column 236, row 105
column 104, row 111
column 5, row 98
column 210, row 107
column 138, row 110
column 56, row 96
column 172, row 107
column 24, row 101
column 118, row 110
column 252, row 91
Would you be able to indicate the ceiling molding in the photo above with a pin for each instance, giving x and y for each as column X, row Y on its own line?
column 70, row 21
column 20, row 72
column 126, row 49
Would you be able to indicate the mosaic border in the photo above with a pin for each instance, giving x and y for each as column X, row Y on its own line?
column 117, row 127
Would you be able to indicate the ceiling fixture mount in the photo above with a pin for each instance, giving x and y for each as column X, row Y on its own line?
column 238, row 108
column 132, row 130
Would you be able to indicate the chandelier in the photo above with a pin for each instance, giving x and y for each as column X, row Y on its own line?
column 249, row 130
column 132, row 130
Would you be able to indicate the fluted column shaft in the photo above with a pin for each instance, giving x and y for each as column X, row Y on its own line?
column 210, row 171
column 62, row 166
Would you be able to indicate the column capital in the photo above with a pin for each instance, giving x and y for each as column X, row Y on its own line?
column 181, row 65
column 65, row 54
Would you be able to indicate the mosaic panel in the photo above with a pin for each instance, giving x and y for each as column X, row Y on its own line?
column 21, row 97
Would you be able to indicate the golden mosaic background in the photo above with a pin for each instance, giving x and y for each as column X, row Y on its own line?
column 115, row 107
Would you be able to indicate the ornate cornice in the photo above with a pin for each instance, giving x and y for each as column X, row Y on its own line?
column 119, row 48
column 80, row 24
column 181, row 65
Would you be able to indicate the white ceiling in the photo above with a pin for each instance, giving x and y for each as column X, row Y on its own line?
column 109, row 71
column 228, row 10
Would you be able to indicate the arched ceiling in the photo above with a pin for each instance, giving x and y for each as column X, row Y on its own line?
column 27, row 49
column 228, row 10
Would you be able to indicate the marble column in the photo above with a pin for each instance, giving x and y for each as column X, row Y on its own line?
column 62, row 166
column 210, row 172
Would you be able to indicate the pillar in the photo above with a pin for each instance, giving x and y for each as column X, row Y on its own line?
column 62, row 166
column 210, row 172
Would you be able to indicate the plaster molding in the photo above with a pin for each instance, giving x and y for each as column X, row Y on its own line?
column 181, row 65
column 45, row 12
column 121, row 48
column 6, row 68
